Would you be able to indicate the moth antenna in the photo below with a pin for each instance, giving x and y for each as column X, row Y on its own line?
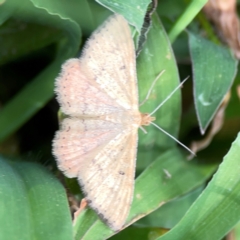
column 169, row 96
column 188, row 149
column 143, row 129
column 151, row 88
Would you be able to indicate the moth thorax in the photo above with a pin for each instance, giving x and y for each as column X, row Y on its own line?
column 146, row 119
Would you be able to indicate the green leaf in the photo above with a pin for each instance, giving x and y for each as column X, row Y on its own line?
column 134, row 12
column 135, row 233
column 33, row 203
column 40, row 90
column 214, row 70
column 170, row 213
column 217, row 209
column 155, row 57
column 38, row 37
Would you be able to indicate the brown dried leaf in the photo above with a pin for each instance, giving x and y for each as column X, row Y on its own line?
column 224, row 15
column 83, row 205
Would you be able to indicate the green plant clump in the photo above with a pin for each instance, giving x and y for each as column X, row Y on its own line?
column 174, row 198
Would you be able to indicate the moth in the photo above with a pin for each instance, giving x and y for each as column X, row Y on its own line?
column 97, row 142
